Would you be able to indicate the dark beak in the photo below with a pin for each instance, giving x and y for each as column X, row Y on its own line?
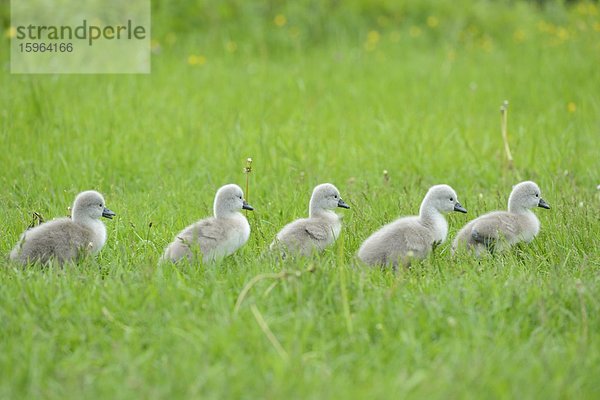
column 459, row 208
column 107, row 213
column 342, row 204
column 543, row 204
column 247, row 206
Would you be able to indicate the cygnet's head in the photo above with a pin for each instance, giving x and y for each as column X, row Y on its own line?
column 326, row 197
column 442, row 198
column 90, row 205
column 229, row 200
column 524, row 196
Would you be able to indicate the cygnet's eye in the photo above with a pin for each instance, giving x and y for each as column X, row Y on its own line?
column 335, row 196
column 100, row 205
column 537, row 195
column 451, row 199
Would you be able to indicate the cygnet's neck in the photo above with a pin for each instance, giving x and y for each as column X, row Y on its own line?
column 222, row 212
column 84, row 219
column 319, row 212
column 433, row 219
column 516, row 208
column 429, row 214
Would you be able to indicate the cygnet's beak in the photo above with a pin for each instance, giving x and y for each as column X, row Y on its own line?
column 342, row 204
column 459, row 208
column 247, row 206
column 107, row 213
column 543, row 204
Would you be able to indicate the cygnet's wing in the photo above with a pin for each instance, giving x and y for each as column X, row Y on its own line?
column 412, row 237
column 200, row 237
column 317, row 230
column 302, row 230
column 464, row 238
column 60, row 239
column 397, row 242
column 207, row 233
column 304, row 236
column 499, row 225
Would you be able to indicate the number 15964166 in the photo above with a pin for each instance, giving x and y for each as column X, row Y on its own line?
column 46, row 47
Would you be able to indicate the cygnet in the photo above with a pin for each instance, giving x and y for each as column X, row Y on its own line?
column 66, row 239
column 499, row 230
column 412, row 238
column 307, row 236
column 214, row 237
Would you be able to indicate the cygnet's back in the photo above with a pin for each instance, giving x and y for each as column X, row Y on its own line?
column 499, row 230
column 411, row 238
column 66, row 239
column 214, row 237
column 306, row 236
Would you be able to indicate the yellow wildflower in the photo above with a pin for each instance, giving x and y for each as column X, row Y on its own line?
column 562, row 33
column 587, row 9
column 280, row 20
column 231, row 46
column 373, row 37
column 414, row 31
column 10, row 32
column 196, row 60
column 486, row 44
column 519, row 35
column 372, row 40
column 432, row 21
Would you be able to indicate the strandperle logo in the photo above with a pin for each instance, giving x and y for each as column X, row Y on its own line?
column 84, row 31
column 73, row 36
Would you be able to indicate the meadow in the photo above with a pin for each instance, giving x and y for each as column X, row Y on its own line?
column 312, row 95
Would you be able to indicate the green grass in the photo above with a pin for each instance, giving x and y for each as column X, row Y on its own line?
column 525, row 324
